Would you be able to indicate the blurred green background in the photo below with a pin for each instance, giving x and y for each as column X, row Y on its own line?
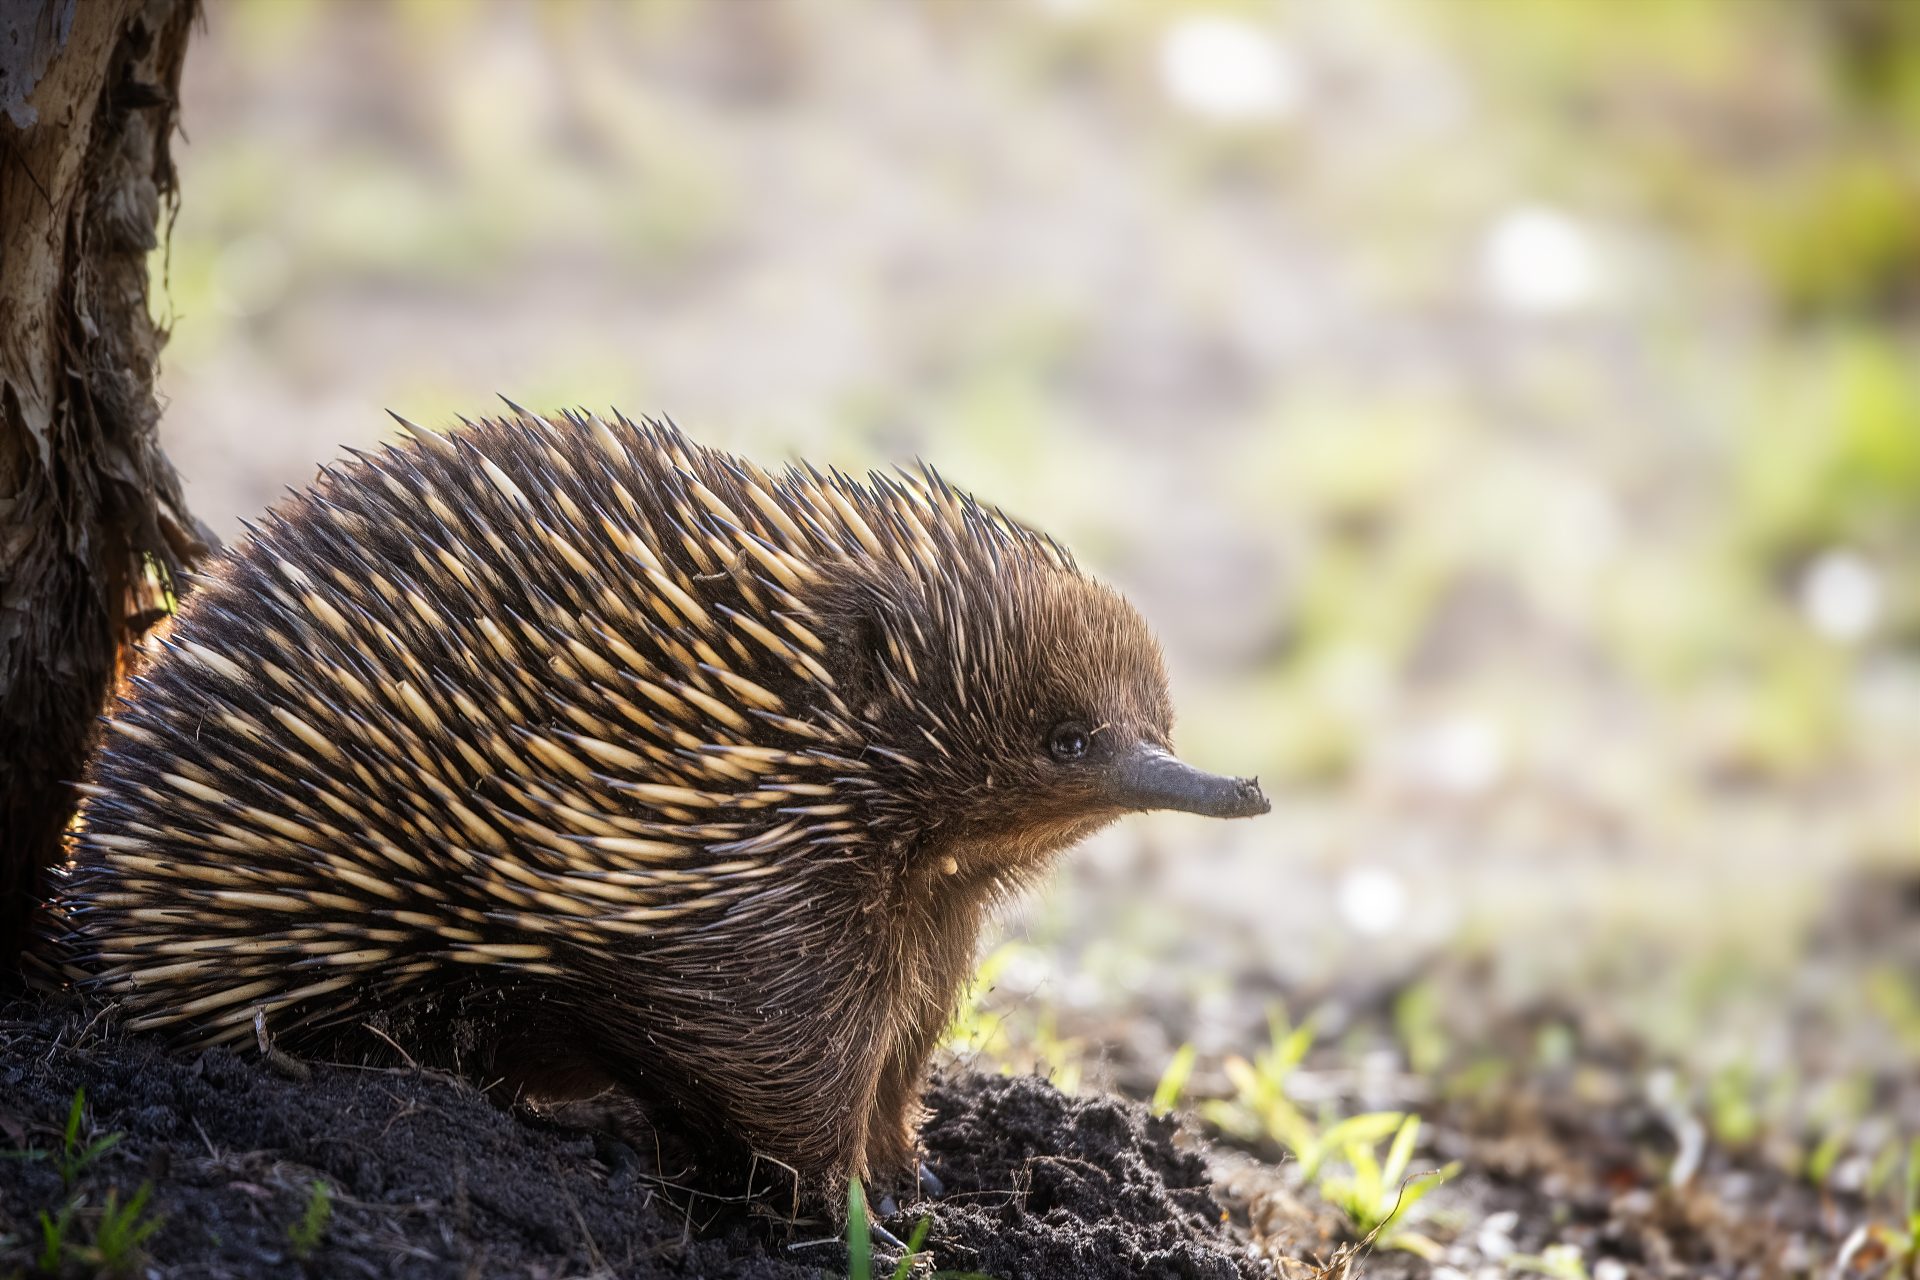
column 1508, row 414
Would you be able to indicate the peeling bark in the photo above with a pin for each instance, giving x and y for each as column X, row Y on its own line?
column 93, row 529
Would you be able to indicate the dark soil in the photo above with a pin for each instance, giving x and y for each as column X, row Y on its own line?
column 429, row 1179
column 1040, row 1184
column 1603, row 1161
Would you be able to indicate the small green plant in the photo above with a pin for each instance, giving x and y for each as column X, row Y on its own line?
column 123, row 1229
column 1260, row 1106
column 914, row 1241
column 1902, row 1241
column 1560, row 1261
column 1826, row 1154
column 1312, row 1147
column 1880, row 1171
column 1896, row 998
column 1173, row 1081
column 1377, row 1194
column 119, row 1230
column 305, row 1234
column 1416, row 1021
column 1732, row 1114
column 73, row 1159
column 1025, row 1040
column 1059, row 1058
column 1836, row 1114
column 53, row 1237
column 1912, row 1199
column 860, row 1243
column 974, row 1031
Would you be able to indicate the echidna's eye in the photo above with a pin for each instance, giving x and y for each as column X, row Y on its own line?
column 1068, row 741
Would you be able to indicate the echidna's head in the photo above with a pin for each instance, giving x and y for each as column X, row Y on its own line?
column 1018, row 704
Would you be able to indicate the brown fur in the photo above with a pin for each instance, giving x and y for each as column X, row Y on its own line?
column 573, row 754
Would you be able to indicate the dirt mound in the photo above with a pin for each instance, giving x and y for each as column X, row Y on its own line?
column 429, row 1179
column 1040, row 1184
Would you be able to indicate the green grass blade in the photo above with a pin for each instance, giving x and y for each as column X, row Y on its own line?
column 1369, row 1188
column 73, row 1117
column 1913, row 1188
column 859, row 1235
column 1366, row 1128
column 1290, row 1045
column 1173, row 1081
column 914, row 1241
column 1400, row 1155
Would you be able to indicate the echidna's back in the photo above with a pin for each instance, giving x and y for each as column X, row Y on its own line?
column 513, row 699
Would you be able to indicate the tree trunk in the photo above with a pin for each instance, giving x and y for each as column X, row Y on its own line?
column 93, row 531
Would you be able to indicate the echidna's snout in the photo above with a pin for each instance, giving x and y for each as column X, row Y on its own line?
column 1149, row 778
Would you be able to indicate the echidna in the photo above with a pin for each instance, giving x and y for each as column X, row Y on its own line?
column 581, row 755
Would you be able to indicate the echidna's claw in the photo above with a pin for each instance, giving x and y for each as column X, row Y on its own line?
column 279, row 1061
column 930, row 1184
column 884, row 1236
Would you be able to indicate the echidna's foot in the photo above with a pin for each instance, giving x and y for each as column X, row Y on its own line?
column 622, row 1133
column 929, row 1184
column 883, row 1236
column 623, row 1163
column 279, row 1061
column 876, row 1231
